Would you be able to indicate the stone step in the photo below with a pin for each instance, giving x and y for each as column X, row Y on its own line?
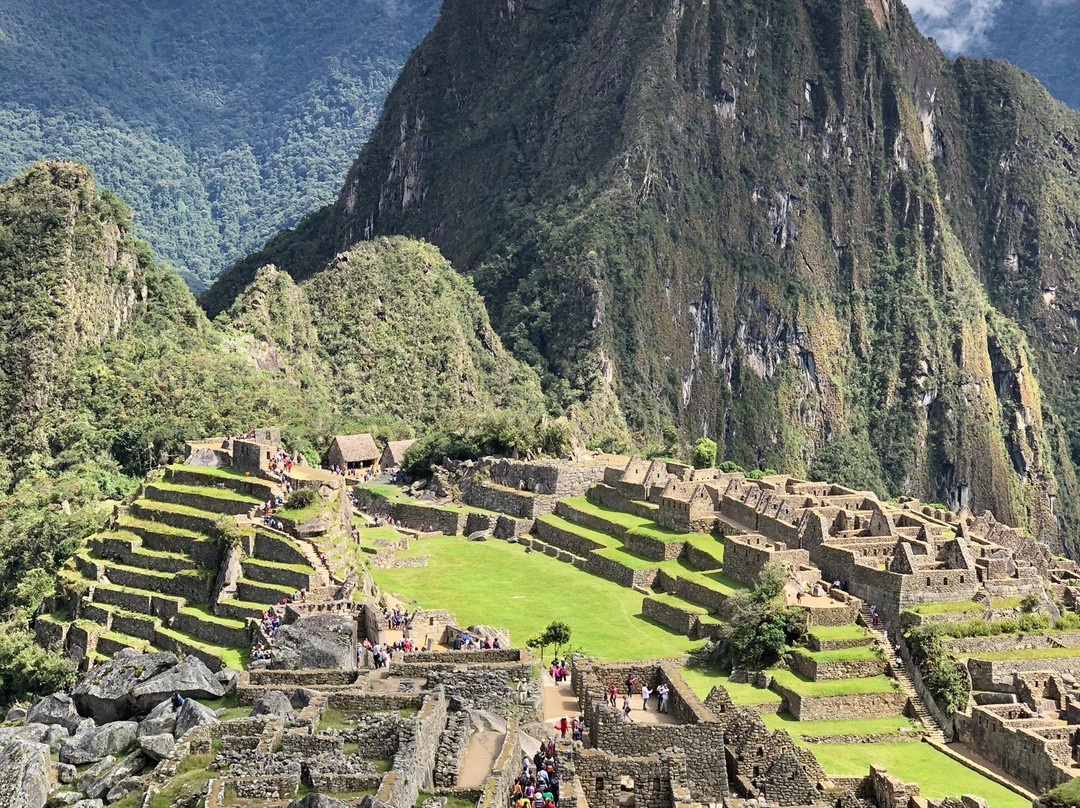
column 194, row 585
column 295, row 576
column 256, row 592
column 178, row 516
column 127, row 548
column 240, row 609
column 261, row 490
column 160, row 537
column 211, row 500
column 141, row 601
column 214, row 657
column 213, row 629
column 110, row 642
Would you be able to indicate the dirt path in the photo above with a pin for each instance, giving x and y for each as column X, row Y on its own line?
column 480, row 755
column 559, row 700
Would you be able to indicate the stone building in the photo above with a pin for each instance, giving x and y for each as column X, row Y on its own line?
column 394, row 454
column 352, row 452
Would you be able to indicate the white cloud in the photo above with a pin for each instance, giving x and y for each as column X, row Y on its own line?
column 959, row 26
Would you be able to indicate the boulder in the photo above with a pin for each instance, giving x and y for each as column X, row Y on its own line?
column 95, row 744
column 321, row 641
column 105, row 691
column 273, row 702
column 191, row 715
column 59, row 708
column 65, row 773
column 302, row 697
column 94, row 772
column 89, row 804
column 191, row 679
column 54, row 736
column 129, row 785
column 161, row 719
column 318, row 801
column 24, row 774
column 157, row 747
column 126, row 768
column 227, row 678
column 16, row 714
column 62, row 798
column 35, row 733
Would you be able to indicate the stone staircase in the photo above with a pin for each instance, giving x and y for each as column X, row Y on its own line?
column 148, row 582
column 934, row 731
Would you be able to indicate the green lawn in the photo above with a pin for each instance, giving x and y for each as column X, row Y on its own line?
column 224, row 472
column 851, row 631
column 836, row 687
column 498, row 584
column 702, row 680
column 207, row 491
column 937, row 774
column 621, row 518
column 853, row 726
column 840, row 654
column 948, row 607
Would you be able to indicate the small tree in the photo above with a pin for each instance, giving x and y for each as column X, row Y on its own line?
column 557, row 634
column 704, row 454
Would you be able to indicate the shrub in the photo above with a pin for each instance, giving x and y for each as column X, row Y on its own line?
column 300, row 499
column 704, row 454
column 759, row 627
column 946, row 678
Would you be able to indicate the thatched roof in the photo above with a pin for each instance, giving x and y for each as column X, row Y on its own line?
column 356, row 448
column 395, row 451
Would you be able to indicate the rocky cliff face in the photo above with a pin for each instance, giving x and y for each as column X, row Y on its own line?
column 790, row 225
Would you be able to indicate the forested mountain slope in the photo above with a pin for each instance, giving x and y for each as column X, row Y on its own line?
column 793, row 225
column 220, row 123
column 107, row 364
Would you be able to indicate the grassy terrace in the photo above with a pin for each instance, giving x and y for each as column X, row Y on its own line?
column 307, row 513
column 302, row 569
column 846, row 726
column 204, row 613
column 963, row 606
column 570, row 527
column 1025, row 653
column 679, row 603
column 207, row 491
column 836, row 687
column 625, row 520
column 937, row 774
column 129, row 522
column 851, row 631
column 395, row 494
column 703, row 679
column 224, row 473
column 168, row 507
column 498, row 584
column 840, row 654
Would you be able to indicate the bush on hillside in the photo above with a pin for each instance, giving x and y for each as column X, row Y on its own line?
column 703, row 455
column 28, row 671
column 759, row 626
column 946, row 678
column 300, row 499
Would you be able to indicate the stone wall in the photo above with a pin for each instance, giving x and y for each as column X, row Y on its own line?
column 414, row 764
column 864, row 705
column 451, row 753
column 700, row 594
column 998, row 674
column 670, row 616
column 203, row 502
column 652, row 548
column 207, row 525
column 610, row 498
column 251, row 486
column 745, row 556
column 602, row 773
column 557, row 478
column 703, row 559
column 1030, row 758
column 821, row 671
column 614, row 571
column 273, row 546
column 511, row 501
column 565, row 539
column 484, row 687
column 590, row 520
column 496, row 793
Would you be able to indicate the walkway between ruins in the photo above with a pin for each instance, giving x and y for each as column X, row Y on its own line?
column 480, row 755
column 559, row 700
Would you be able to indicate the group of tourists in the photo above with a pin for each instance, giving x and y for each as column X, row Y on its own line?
column 467, row 642
column 270, row 622
column 558, row 671
column 662, row 693
column 538, row 784
column 574, row 727
column 381, row 653
column 396, row 619
column 281, row 464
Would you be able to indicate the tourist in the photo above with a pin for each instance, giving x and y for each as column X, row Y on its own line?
column 613, row 695
column 662, row 694
column 626, row 707
column 564, row 725
column 522, row 691
column 177, row 701
column 630, row 684
column 575, row 730
column 645, row 693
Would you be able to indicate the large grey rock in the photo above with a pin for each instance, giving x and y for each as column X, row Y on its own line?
column 54, row 736
column 126, row 768
column 65, row 773
column 16, row 713
column 228, row 679
column 157, row 747
column 94, row 772
column 273, row 702
column 318, row 801
column 62, row 798
column 89, row 804
column 105, row 691
column 323, row 641
column 95, row 744
column 192, row 714
column 35, row 733
column 24, row 774
column 59, row 708
column 127, row 786
column 161, row 719
column 302, row 697
column 191, row 679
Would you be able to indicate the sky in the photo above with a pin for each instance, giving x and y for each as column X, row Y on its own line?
column 959, row 26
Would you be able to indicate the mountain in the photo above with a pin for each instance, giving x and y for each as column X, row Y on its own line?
column 1037, row 35
column 221, row 123
column 109, row 365
column 793, row 226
